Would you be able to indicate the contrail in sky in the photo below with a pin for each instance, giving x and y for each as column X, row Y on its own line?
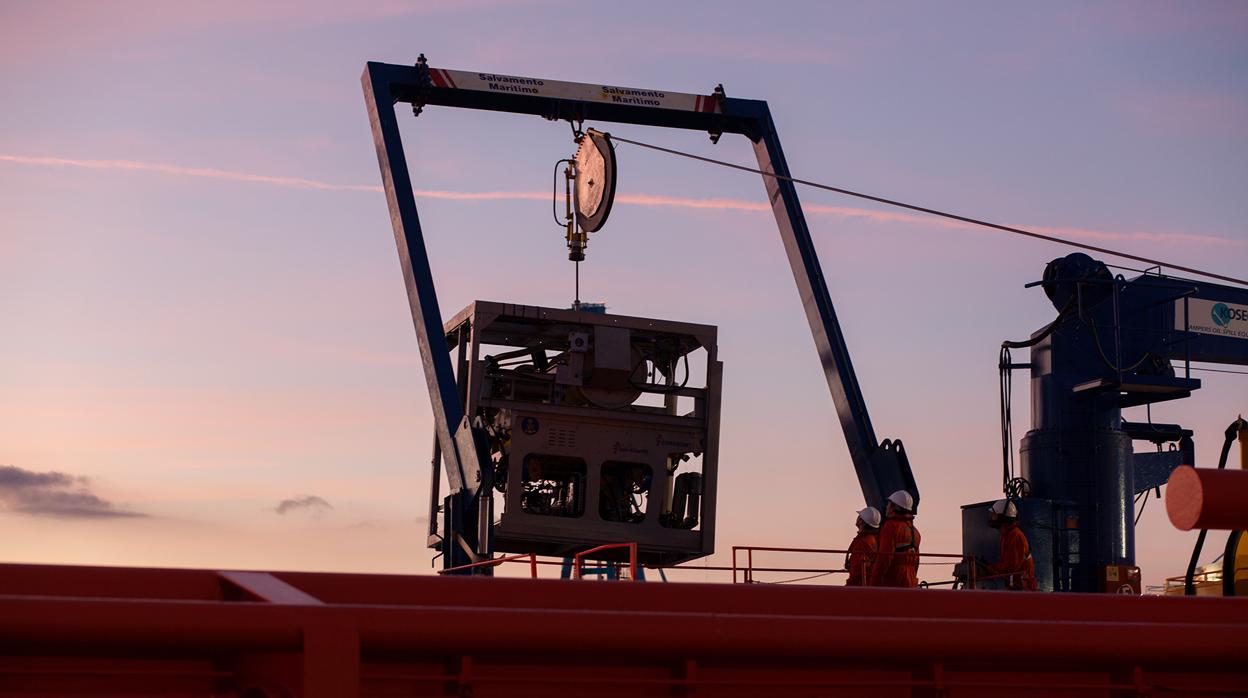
column 632, row 199
column 289, row 182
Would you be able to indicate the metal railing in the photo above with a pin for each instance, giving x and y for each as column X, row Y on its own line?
column 1200, row 580
column 743, row 567
column 578, row 560
column 532, row 558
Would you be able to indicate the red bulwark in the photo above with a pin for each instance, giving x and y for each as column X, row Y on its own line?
column 101, row 631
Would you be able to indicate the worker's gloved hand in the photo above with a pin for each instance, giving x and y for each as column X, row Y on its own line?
column 960, row 571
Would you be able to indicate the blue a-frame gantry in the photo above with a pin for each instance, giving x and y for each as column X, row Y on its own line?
column 882, row 467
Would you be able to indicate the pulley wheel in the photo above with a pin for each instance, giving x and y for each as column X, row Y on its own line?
column 595, row 180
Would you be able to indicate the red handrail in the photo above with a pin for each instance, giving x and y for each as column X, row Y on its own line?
column 579, row 558
column 532, row 558
column 747, row 570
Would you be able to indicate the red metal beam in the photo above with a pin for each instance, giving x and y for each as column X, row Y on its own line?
column 712, row 630
column 68, row 628
column 537, row 631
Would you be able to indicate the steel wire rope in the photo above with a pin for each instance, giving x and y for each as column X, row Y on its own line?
column 1141, row 512
column 1219, row 370
column 803, row 579
column 931, row 211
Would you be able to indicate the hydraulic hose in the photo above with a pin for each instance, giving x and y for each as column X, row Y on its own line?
column 1232, row 433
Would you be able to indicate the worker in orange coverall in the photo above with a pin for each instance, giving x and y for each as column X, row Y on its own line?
column 897, row 563
column 1015, row 559
column 862, row 550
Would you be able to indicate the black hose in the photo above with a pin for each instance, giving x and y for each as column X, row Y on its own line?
column 1048, row 330
column 1189, row 586
column 670, row 387
column 1096, row 341
column 554, row 193
column 1229, row 557
column 1005, row 365
column 1007, row 418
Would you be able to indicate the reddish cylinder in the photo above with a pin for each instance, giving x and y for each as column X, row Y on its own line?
column 1207, row 498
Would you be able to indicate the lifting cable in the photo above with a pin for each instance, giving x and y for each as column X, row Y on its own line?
column 1219, row 370
column 802, row 579
column 932, row 211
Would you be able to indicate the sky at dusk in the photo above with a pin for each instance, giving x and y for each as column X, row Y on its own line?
column 208, row 358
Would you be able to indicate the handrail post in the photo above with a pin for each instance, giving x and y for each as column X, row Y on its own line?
column 578, row 559
column 533, row 565
column 749, row 568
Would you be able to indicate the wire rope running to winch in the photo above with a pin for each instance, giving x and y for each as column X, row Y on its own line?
column 930, row 211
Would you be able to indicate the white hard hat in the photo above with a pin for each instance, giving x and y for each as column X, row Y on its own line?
column 870, row 516
column 1004, row 507
column 902, row 500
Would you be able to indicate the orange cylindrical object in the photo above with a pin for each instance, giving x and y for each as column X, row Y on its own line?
column 1207, row 498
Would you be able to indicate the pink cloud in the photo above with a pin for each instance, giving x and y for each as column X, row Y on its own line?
column 1138, row 235
column 290, row 182
column 654, row 200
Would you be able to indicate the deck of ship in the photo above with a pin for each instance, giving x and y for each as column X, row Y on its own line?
column 112, row 631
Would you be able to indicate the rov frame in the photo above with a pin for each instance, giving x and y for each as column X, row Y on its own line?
column 460, row 447
column 634, row 462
